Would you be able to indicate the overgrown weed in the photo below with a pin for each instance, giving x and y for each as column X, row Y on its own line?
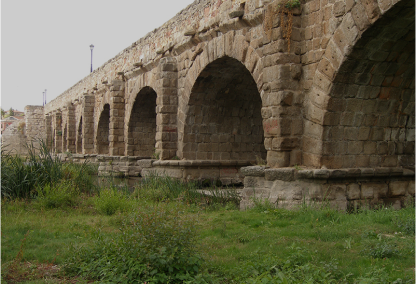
column 155, row 245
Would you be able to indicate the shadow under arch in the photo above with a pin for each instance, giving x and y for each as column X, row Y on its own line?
column 223, row 116
column 141, row 134
column 370, row 115
column 79, row 137
column 103, row 131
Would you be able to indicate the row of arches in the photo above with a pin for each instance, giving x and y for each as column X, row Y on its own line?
column 223, row 118
column 358, row 111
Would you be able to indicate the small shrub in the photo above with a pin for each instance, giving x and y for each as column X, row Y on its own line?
column 381, row 250
column 59, row 195
column 154, row 245
column 112, row 200
column 407, row 226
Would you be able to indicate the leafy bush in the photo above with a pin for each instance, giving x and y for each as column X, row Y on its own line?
column 111, row 200
column 154, row 245
column 63, row 194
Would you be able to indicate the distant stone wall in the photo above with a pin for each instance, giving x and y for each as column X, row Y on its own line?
column 13, row 139
column 35, row 123
column 22, row 132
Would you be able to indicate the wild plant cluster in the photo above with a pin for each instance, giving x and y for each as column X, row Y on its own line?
column 168, row 231
column 154, row 245
column 39, row 171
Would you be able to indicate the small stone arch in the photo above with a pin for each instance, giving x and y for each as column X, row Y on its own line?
column 141, row 126
column 103, row 131
column 79, row 137
column 65, row 138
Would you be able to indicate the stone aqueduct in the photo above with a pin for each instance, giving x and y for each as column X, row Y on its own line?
column 218, row 83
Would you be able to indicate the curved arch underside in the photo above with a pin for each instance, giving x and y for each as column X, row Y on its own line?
column 224, row 120
column 142, row 124
column 371, row 117
column 103, row 131
column 79, row 137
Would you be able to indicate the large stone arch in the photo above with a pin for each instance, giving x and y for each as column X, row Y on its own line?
column 360, row 110
column 103, row 131
column 141, row 126
column 222, row 117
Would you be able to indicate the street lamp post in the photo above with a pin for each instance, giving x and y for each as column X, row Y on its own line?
column 44, row 98
column 91, row 47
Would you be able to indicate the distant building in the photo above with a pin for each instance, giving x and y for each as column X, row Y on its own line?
column 5, row 122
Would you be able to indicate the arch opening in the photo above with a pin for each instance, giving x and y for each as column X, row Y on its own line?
column 65, row 139
column 223, row 118
column 79, row 137
column 103, row 131
column 141, row 137
column 371, row 105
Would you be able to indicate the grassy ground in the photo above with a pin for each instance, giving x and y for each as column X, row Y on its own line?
column 261, row 245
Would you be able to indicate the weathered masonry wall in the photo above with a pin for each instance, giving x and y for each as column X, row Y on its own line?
column 345, row 189
column 21, row 133
column 218, row 84
column 13, row 139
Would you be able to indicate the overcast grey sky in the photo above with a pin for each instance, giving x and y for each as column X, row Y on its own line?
column 45, row 43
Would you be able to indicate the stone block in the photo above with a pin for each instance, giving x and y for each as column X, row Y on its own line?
column 321, row 174
column 253, row 182
column 278, row 159
column 285, row 174
column 257, row 171
column 304, row 174
column 398, row 188
column 335, row 192
column 411, row 188
column 353, row 191
column 367, row 191
column 360, row 17
column 314, row 192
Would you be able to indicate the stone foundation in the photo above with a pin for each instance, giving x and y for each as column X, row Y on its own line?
column 227, row 172
column 343, row 189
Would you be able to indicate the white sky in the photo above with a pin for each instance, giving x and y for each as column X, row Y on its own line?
column 45, row 43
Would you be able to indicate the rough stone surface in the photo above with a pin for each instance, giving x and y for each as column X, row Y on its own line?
column 338, row 100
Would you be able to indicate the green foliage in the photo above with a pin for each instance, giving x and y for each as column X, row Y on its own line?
column 11, row 112
column 154, row 245
column 407, row 226
column 21, row 175
column 109, row 201
column 163, row 188
column 405, row 220
column 291, row 4
column 263, row 205
column 381, row 249
column 63, row 194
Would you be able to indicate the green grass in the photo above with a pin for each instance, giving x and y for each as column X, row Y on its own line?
column 254, row 246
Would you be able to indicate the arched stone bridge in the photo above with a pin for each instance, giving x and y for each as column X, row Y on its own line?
column 218, row 83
